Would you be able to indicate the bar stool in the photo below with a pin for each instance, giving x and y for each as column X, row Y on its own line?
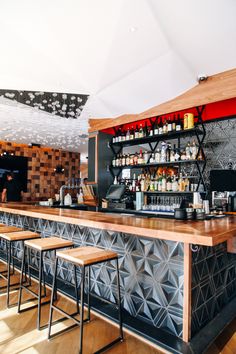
column 84, row 257
column 10, row 238
column 5, row 229
column 41, row 246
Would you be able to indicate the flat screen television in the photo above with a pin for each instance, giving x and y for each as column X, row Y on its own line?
column 223, row 180
column 16, row 164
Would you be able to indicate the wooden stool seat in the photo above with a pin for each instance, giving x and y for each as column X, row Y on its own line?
column 19, row 236
column 5, row 228
column 49, row 243
column 86, row 255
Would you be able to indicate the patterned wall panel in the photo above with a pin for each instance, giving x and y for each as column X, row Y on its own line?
column 213, row 283
column 151, row 270
column 43, row 182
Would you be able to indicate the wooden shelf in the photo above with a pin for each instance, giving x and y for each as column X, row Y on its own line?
column 155, row 138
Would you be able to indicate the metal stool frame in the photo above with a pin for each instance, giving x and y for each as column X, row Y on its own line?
column 82, row 320
column 10, row 260
column 41, row 279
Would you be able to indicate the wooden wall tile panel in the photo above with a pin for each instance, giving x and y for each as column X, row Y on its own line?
column 43, row 182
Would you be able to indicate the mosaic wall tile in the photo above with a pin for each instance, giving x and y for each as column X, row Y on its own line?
column 213, row 283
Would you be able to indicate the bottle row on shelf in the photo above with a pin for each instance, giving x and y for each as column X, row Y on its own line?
column 161, row 126
column 166, row 153
column 165, row 180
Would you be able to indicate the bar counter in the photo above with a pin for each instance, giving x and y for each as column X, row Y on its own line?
column 178, row 282
column 207, row 233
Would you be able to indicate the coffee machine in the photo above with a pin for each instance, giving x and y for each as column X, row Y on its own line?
column 223, row 187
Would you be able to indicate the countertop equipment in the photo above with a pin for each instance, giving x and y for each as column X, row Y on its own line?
column 117, row 198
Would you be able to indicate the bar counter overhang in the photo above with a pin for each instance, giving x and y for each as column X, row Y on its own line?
column 178, row 281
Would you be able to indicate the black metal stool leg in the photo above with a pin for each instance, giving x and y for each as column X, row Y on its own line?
column 21, row 278
column 88, row 295
column 55, row 293
column 8, row 273
column 52, row 298
column 29, row 262
column 40, row 289
column 119, row 300
column 76, row 288
column 82, row 311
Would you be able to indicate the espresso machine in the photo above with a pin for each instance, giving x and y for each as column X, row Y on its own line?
column 223, row 188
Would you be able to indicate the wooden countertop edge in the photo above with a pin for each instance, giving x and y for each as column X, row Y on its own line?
column 139, row 231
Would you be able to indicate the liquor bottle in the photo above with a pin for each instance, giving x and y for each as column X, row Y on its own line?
column 127, row 161
column 185, row 121
column 114, row 161
column 187, row 184
column 163, row 185
column 177, row 154
column 181, row 183
column 131, row 137
column 140, row 158
column 136, row 132
column 172, row 154
column 160, row 130
column 160, row 184
column 163, row 151
column 178, row 124
column 135, row 158
column 169, row 125
column 165, row 127
column 156, row 128
column 174, row 124
column 168, row 151
column 119, row 135
column 193, row 150
column 183, row 155
column 175, row 185
column 169, row 184
column 123, row 160
column 141, row 132
column 114, row 138
column 158, row 156
column 134, row 183
column 117, row 160
column 127, row 134
column 151, row 130
column 145, row 157
column 131, row 160
column 188, row 151
column 152, row 158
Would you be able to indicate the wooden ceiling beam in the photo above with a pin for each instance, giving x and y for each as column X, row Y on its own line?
column 216, row 88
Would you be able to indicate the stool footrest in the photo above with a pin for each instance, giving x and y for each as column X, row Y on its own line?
column 33, row 306
column 69, row 316
column 103, row 349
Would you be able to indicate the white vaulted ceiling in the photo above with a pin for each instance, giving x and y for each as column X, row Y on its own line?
column 127, row 55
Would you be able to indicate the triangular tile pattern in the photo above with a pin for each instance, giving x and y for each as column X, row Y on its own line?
column 151, row 270
column 213, row 283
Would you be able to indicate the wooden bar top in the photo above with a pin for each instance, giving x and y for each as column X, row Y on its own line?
column 208, row 232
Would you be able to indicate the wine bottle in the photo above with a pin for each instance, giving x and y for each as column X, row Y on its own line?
column 169, row 125
column 160, row 127
column 131, row 137
column 178, row 124
column 136, row 132
column 156, row 128
column 127, row 134
column 141, row 132
column 174, row 123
